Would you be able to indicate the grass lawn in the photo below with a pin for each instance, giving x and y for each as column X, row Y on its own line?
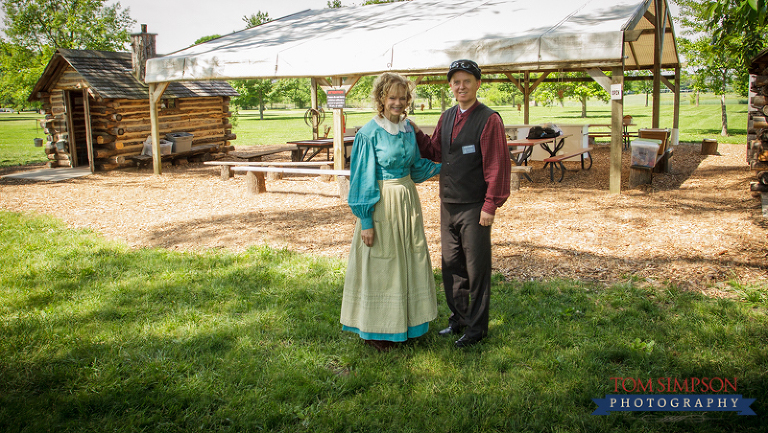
column 17, row 131
column 696, row 123
column 97, row 337
column 17, row 134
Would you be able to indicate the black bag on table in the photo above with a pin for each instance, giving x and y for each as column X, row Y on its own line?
column 543, row 132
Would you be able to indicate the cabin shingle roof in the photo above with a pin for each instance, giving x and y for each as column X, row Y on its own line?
column 110, row 76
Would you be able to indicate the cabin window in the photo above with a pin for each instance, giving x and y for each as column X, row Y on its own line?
column 168, row 104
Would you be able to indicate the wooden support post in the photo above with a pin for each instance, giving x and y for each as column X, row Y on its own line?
column 338, row 132
column 155, row 93
column 343, row 187
column 88, row 130
column 315, row 106
column 617, row 133
column 255, row 182
column 676, row 116
column 323, row 177
column 526, row 97
column 658, row 47
column 639, row 177
column 226, row 173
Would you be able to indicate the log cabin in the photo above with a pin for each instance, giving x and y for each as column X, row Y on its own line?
column 96, row 107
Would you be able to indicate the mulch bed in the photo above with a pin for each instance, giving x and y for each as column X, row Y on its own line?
column 698, row 227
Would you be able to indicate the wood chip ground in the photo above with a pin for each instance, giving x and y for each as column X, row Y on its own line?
column 698, row 227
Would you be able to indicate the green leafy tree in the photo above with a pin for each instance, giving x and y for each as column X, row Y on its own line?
column 721, row 39
column 585, row 91
column 253, row 93
column 295, row 90
column 335, row 4
column 362, row 89
column 513, row 93
column 431, row 92
column 641, row 86
column 34, row 29
column 256, row 19
column 206, row 39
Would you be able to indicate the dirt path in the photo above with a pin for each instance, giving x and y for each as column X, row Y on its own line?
column 698, row 227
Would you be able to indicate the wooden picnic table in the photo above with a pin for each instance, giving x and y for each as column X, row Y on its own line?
column 317, row 146
column 556, row 142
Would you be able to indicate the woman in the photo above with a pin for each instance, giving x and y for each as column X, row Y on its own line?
column 389, row 292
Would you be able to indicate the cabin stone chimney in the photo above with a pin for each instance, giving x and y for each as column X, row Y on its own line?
column 142, row 49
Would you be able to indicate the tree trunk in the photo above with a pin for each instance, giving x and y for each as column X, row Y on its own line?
column 442, row 100
column 646, row 99
column 261, row 108
column 724, row 132
column 583, row 107
column 697, row 97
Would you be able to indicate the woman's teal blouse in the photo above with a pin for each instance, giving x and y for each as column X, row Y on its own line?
column 379, row 155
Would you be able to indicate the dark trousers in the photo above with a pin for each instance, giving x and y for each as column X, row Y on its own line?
column 466, row 267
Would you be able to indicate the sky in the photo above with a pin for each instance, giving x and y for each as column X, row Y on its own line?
column 179, row 23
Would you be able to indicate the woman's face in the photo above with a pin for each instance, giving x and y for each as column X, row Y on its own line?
column 395, row 103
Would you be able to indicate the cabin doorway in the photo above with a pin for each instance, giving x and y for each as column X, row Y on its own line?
column 79, row 128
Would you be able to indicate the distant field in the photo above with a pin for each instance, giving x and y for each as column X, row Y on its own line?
column 17, row 131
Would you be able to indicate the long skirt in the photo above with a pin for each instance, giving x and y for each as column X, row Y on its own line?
column 389, row 290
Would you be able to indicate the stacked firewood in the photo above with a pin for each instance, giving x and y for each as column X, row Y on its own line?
column 757, row 130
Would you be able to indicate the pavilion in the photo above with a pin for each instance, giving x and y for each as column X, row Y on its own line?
column 522, row 40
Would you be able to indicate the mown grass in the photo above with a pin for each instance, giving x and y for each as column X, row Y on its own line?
column 17, row 134
column 97, row 337
column 17, row 131
column 696, row 122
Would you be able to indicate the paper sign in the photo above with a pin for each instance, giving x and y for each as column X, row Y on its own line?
column 616, row 91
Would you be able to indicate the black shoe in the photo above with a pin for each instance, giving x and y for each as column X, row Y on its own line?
column 447, row 332
column 465, row 341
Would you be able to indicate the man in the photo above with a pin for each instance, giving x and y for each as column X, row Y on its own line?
column 474, row 181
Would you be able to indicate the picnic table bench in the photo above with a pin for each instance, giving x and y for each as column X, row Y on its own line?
column 256, row 183
column 558, row 160
column 263, row 151
column 227, row 166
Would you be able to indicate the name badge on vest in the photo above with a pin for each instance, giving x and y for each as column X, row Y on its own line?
column 466, row 150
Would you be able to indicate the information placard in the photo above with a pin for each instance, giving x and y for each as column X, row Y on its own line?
column 337, row 98
column 616, row 91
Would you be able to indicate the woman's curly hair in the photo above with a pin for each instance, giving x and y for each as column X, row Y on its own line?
column 384, row 83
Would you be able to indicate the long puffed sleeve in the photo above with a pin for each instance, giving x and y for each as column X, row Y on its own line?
column 363, row 188
column 422, row 169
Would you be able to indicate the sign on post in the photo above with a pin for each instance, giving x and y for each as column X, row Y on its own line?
column 337, row 98
column 616, row 91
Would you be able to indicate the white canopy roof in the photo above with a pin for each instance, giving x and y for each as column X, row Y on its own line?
column 424, row 36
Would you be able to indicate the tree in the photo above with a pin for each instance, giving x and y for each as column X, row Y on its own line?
column 432, row 91
column 335, row 4
column 74, row 24
column 253, row 93
column 256, row 19
column 206, row 39
column 723, row 38
column 34, row 29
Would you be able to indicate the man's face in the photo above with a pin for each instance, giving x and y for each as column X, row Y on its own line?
column 464, row 87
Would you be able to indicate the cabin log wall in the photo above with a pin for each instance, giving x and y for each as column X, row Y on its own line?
column 120, row 126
